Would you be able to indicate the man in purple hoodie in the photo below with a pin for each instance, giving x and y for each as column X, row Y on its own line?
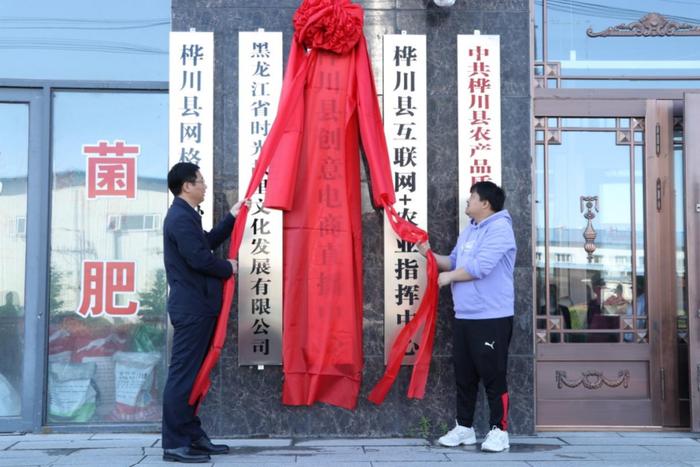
column 480, row 272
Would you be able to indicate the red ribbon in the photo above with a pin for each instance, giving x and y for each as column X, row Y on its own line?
column 425, row 317
column 291, row 105
column 293, row 86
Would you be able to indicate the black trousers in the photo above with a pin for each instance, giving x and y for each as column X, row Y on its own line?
column 191, row 341
column 480, row 353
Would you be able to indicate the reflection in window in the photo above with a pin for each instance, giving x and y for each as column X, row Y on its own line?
column 143, row 222
column 107, row 292
column 589, row 289
column 681, row 285
column 562, row 257
column 589, row 39
column 14, row 158
column 20, row 226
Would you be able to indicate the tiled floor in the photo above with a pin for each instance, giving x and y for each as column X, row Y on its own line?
column 571, row 449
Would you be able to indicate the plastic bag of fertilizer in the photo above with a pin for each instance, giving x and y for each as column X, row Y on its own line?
column 10, row 403
column 135, row 386
column 72, row 393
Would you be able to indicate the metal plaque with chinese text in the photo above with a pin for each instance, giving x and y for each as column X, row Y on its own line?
column 260, row 255
column 405, row 126
column 191, row 100
column 479, row 113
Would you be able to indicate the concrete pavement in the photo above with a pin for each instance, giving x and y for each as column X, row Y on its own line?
column 639, row 449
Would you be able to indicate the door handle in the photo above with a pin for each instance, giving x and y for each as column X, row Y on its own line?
column 658, row 139
column 663, row 383
column 658, row 195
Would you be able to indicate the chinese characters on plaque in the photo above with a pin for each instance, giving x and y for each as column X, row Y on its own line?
column 479, row 113
column 191, row 98
column 405, row 127
column 260, row 255
column 405, row 124
column 111, row 172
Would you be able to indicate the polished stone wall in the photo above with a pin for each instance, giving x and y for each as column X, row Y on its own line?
column 246, row 402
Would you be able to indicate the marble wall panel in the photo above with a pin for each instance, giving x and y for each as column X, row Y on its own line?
column 245, row 401
column 468, row 5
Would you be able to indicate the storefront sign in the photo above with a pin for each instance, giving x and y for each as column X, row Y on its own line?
column 260, row 255
column 111, row 172
column 479, row 113
column 191, row 96
column 405, row 126
column 102, row 282
column 111, row 169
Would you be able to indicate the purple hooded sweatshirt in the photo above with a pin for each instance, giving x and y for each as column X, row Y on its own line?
column 486, row 251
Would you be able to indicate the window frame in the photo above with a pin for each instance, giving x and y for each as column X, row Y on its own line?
column 38, row 223
column 547, row 75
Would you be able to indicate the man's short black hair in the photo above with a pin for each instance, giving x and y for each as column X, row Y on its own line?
column 489, row 191
column 179, row 174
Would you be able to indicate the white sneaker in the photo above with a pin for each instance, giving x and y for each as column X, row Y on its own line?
column 458, row 435
column 496, row 440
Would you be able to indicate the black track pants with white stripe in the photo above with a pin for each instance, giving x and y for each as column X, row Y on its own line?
column 480, row 353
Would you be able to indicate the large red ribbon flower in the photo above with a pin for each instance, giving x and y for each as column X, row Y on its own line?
column 334, row 25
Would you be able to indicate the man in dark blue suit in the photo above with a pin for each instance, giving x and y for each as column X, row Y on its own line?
column 195, row 277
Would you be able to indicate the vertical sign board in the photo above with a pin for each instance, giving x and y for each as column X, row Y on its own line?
column 191, row 99
column 405, row 126
column 260, row 256
column 479, row 113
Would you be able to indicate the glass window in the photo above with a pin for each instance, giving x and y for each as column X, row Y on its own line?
column 681, row 282
column 628, row 84
column 590, row 208
column 540, row 250
column 107, row 312
column 625, row 39
column 14, row 159
column 539, row 40
column 85, row 39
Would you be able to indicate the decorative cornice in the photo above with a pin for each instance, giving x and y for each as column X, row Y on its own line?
column 651, row 25
column 593, row 380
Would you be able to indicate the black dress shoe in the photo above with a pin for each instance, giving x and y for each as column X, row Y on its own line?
column 185, row 454
column 205, row 445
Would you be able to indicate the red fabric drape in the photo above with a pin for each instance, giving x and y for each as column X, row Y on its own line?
column 328, row 104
